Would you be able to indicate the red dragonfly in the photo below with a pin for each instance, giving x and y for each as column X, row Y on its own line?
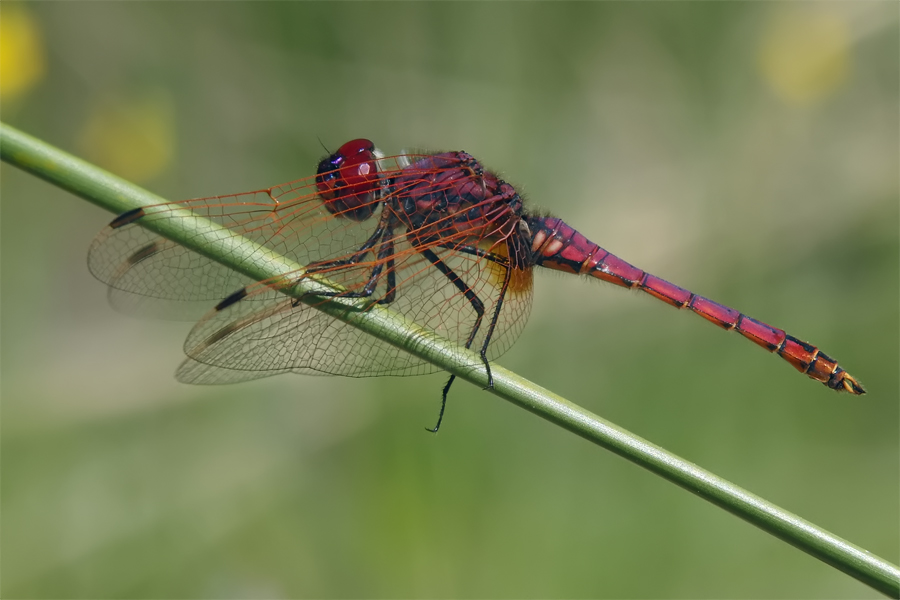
column 436, row 236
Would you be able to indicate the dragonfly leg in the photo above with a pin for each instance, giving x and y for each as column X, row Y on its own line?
column 477, row 306
column 475, row 251
column 317, row 267
column 444, row 393
column 490, row 332
column 385, row 253
column 391, row 279
column 505, row 263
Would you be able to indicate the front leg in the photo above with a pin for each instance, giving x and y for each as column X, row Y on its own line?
column 385, row 255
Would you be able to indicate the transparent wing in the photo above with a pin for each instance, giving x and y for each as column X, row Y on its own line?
column 150, row 275
column 268, row 333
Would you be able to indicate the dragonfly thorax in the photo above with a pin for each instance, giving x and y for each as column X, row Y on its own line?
column 450, row 198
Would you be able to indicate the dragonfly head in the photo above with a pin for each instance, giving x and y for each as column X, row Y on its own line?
column 348, row 181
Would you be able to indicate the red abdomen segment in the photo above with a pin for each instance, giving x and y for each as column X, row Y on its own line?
column 558, row 246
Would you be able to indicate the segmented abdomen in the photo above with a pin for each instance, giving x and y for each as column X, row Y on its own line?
column 556, row 245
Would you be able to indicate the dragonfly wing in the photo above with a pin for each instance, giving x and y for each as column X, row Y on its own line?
column 198, row 373
column 264, row 332
column 150, row 275
column 268, row 333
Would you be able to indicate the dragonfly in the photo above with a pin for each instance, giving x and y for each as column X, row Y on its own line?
column 435, row 236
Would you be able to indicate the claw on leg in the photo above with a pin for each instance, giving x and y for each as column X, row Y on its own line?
column 490, row 375
column 444, row 393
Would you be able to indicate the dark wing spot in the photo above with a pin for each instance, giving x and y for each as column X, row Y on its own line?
column 143, row 253
column 129, row 216
column 219, row 335
column 233, row 298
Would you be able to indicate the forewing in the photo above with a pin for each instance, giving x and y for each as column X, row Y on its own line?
column 150, row 275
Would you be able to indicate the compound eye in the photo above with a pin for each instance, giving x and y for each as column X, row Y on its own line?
column 356, row 147
column 348, row 180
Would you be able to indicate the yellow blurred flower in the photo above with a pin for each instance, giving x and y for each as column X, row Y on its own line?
column 134, row 139
column 21, row 51
column 804, row 54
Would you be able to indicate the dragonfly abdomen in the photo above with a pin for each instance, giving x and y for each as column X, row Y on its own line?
column 557, row 245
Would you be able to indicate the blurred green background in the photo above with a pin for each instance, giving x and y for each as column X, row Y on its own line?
column 748, row 151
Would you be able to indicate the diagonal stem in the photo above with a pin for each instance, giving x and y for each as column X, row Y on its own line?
column 117, row 196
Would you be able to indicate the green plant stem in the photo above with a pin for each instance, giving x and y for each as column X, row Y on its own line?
column 117, row 195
